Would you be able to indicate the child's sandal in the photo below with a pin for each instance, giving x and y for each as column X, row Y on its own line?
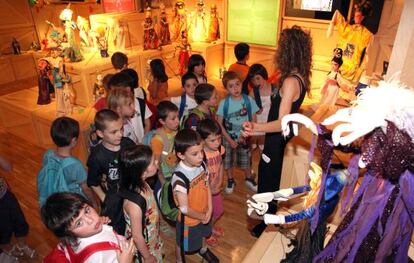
column 212, row 241
column 218, row 231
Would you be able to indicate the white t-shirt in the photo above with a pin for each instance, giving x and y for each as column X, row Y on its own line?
column 107, row 235
column 139, row 93
column 134, row 128
column 190, row 103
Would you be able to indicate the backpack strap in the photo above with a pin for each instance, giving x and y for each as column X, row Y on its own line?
column 166, row 148
column 139, row 200
column 142, row 105
column 226, row 107
column 187, row 185
column 85, row 253
column 182, row 105
column 248, row 106
column 256, row 94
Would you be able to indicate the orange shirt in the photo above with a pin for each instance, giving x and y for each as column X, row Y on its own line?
column 241, row 70
column 158, row 91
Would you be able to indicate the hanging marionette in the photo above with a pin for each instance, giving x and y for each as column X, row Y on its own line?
column 184, row 54
column 150, row 36
column 214, row 26
column 72, row 51
column 198, row 27
column 179, row 23
column 164, row 33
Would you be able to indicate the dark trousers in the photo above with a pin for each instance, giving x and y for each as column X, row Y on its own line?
column 12, row 219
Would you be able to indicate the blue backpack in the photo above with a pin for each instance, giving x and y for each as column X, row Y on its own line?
column 246, row 101
column 51, row 178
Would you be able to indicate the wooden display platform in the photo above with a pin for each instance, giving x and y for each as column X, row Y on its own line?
column 20, row 115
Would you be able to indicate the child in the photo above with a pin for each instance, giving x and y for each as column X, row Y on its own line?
column 119, row 61
column 64, row 133
column 12, row 221
column 136, row 125
column 139, row 92
column 233, row 110
column 163, row 141
column 158, row 87
column 241, row 51
column 103, row 161
column 206, row 98
column 195, row 206
column 79, row 227
column 138, row 164
column 210, row 132
column 101, row 102
column 186, row 101
column 197, row 66
column 262, row 91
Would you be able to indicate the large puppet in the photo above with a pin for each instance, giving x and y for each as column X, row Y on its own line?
column 379, row 224
column 44, row 82
column 150, row 36
column 72, row 51
column 164, row 33
column 214, row 24
column 198, row 23
column 179, row 23
column 184, row 54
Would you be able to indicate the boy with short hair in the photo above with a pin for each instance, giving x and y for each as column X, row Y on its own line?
column 233, row 111
column 103, row 161
column 195, row 205
column 64, row 133
column 186, row 101
column 119, row 61
column 84, row 235
column 241, row 51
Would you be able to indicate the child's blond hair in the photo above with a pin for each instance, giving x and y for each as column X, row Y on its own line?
column 119, row 96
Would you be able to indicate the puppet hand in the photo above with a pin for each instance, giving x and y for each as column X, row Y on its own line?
column 282, row 194
column 258, row 203
column 299, row 118
column 273, row 219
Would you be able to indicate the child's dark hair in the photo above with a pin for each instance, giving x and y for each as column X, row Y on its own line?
column 187, row 76
column 134, row 161
column 105, row 115
column 165, row 107
column 195, row 60
column 58, row 213
column 133, row 75
column 203, row 92
column 121, row 80
column 105, row 81
column 208, row 127
column 63, row 130
column 158, row 70
column 257, row 69
column 185, row 139
column 119, row 60
column 229, row 75
column 241, row 50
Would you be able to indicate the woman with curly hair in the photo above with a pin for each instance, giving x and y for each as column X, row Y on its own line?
column 293, row 59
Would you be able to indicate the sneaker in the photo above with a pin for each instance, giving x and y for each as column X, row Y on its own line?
column 251, row 184
column 23, row 251
column 230, row 186
column 212, row 241
column 6, row 258
column 209, row 256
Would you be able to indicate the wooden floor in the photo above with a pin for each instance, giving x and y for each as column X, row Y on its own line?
column 26, row 159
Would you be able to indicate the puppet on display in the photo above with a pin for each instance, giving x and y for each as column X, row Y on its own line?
column 56, row 64
column 44, row 83
column 150, row 36
column 102, row 40
column 184, row 54
column 71, row 48
column 214, row 25
column 68, row 95
column 179, row 23
column 353, row 40
column 98, row 88
column 16, row 47
column 55, row 39
column 84, row 29
column 330, row 90
column 198, row 25
column 164, row 33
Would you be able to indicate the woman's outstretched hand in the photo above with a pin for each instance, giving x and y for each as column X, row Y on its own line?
column 247, row 129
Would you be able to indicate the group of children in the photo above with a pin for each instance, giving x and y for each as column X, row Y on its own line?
column 188, row 148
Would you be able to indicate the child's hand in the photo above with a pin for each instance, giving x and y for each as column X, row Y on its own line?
column 233, row 144
column 208, row 216
column 127, row 253
column 105, row 220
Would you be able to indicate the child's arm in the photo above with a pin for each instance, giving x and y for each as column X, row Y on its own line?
column 209, row 207
column 89, row 194
column 147, row 125
column 135, row 215
column 182, row 199
column 127, row 253
column 99, row 192
column 157, row 146
column 225, row 134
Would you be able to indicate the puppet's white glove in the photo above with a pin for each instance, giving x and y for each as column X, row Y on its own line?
column 297, row 118
column 273, row 219
column 258, row 203
column 282, row 194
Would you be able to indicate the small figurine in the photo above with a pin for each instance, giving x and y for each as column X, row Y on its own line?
column 184, row 55
column 83, row 25
column 164, row 33
column 56, row 63
column 68, row 94
column 16, row 47
column 44, row 82
column 179, row 20
column 214, row 27
column 330, row 91
column 102, row 41
column 98, row 88
column 72, row 51
column 150, row 36
column 34, row 46
column 198, row 26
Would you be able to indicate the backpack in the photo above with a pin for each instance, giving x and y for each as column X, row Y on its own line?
column 246, row 101
column 182, row 105
column 61, row 253
column 196, row 111
column 51, row 178
column 113, row 209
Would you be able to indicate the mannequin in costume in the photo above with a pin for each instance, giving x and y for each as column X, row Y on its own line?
column 198, row 25
column 353, row 40
column 214, row 25
column 184, row 54
column 72, row 49
column 44, row 82
column 330, row 90
column 164, row 33
column 179, row 23
column 150, row 36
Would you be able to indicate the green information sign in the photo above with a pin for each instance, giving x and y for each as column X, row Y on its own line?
column 253, row 21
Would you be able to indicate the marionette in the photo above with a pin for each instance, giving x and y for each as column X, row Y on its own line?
column 214, row 26
column 72, row 51
column 330, row 90
column 102, row 41
column 56, row 64
column 198, row 25
column 84, row 29
column 354, row 40
column 164, row 33
column 179, row 23
column 55, row 39
column 68, row 94
column 44, row 83
column 150, row 36
column 184, row 54
column 98, row 87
